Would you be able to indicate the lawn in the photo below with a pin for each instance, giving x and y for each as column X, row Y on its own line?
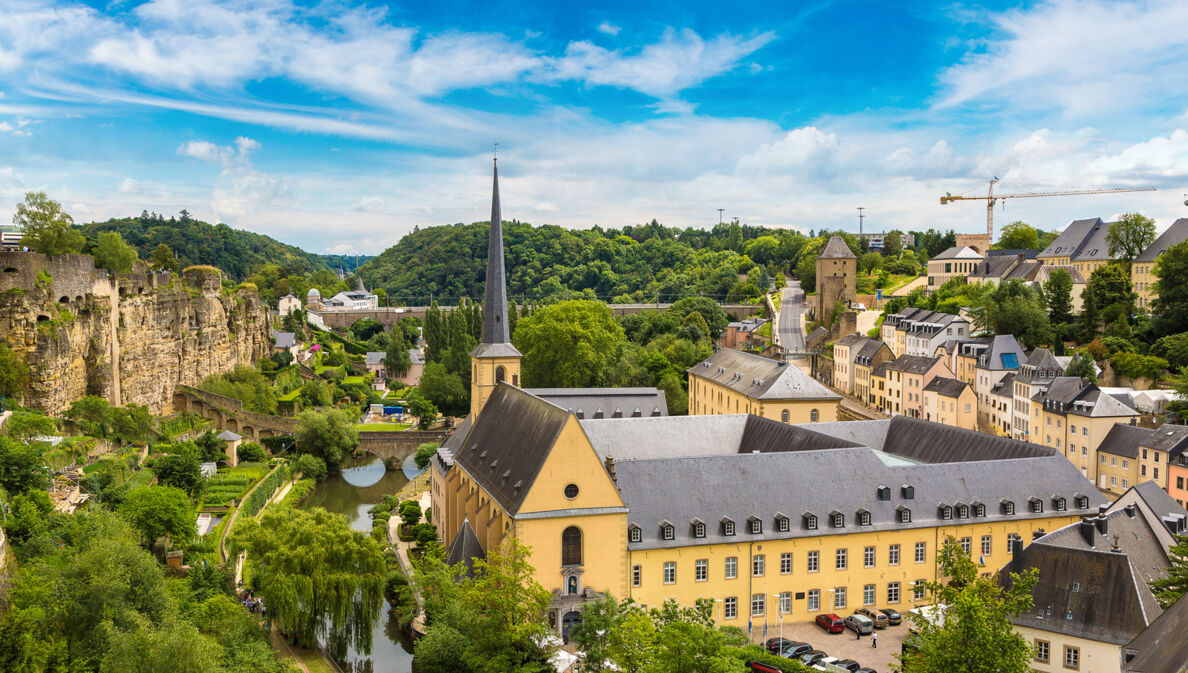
column 375, row 427
column 141, row 479
column 290, row 396
column 354, row 379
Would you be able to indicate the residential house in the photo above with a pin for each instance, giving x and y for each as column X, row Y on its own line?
column 951, row 402
column 956, row 262
column 878, row 387
column 1003, row 355
column 1094, row 594
column 373, row 362
column 965, row 359
column 285, row 341
column 872, row 354
column 734, row 382
column 287, row 304
column 999, row 409
column 1034, row 377
column 413, row 376
column 907, row 375
column 1074, row 417
column 743, row 334
column 844, row 350
column 1142, row 268
column 892, row 333
column 1079, row 282
column 926, row 333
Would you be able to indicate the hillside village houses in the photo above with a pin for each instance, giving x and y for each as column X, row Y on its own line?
column 1142, row 268
column 956, row 262
column 951, row 402
column 287, row 304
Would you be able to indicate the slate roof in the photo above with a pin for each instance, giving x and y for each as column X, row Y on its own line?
column 465, row 548
column 869, row 349
column 906, row 314
column 958, row 252
column 700, row 436
column 229, row 436
column 849, row 340
column 1070, row 240
column 495, row 290
column 792, row 484
column 1095, row 247
column 1162, row 504
column 1176, row 233
column 1123, row 440
column 586, row 402
column 836, row 248
column 912, row 364
column 816, row 335
column 1002, row 345
column 374, row 357
column 759, row 377
column 1071, row 395
column 946, row 387
column 285, row 339
column 929, row 442
column 1097, row 593
column 994, row 267
column 1160, row 647
column 1076, row 276
column 1005, row 386
column 416, row 357
column 509, row 442
column 1169, row 438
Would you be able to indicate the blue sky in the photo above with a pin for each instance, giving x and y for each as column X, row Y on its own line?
column 341, row 125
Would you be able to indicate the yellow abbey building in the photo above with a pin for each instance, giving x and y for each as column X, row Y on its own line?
column 763, row 516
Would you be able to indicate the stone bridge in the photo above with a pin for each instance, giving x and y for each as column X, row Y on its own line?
column 341, row 318
column 228, row 414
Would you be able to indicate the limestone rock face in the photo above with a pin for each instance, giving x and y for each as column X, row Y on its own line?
column 131, row 338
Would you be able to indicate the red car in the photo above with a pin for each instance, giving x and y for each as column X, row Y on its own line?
column 831, row 623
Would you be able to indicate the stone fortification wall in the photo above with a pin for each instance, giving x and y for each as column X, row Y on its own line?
column 130, row 337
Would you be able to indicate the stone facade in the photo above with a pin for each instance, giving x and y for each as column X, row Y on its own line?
column 130, row 337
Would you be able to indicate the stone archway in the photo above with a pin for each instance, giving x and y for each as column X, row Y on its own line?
column 568, row 621
column 232, row 424
column 248, row 431
column 181, row 403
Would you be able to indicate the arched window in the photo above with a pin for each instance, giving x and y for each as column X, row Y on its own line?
column 499, row 374
column 571, row 546
column 814, row 416
column 784, row 415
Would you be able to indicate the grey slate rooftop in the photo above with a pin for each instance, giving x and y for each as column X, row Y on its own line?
column 1070, row 240
column 946, row 387
column 912, row 364
column 759, row 377
column 1123, row 440
column 836, row 248
column 1004, row 352
column 1176, row 233
column 606, row 402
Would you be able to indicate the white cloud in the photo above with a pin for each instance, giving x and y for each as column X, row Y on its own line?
column 1078, row 56
column 130, row 186
column 609, row 28
column 204, row 151
column 368, row 204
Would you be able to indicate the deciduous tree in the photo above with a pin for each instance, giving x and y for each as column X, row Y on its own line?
column 47, row 228
column 1018, row 235
column 1130, row 236
column 1170, row 304
column 160, row 511
column 572, row 344
column 113, row 254
column 162, row 258
column 14, row 373
column 329, row 435
column 22, row 466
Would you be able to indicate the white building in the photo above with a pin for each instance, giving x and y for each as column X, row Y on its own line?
column 288, row 304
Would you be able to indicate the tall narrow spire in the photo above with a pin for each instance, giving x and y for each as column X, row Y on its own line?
column 495, row 293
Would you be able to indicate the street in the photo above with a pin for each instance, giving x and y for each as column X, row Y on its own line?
column 791, row 336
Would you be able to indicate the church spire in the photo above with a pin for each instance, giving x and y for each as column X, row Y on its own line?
column 495, row 295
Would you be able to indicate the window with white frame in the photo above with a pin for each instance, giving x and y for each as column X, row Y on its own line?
column 893, row 592
column 731, row 567
column 839, row 520
column 670, row 572
column 701, row 570
column 758, row 604
column 728, row 528
column 905, row 515
column 785, row 602
column 813, row 561
column 839, row 598
column 841, row 558
column 868, row 557
column 756, row 526
column 786, row 563
column 918, row 590
column 730, row 608
column 1043, row 650
column 966, row 544
column 669, row 532
column 893, row 555
column 636, row 575
column 758, row 565
column 921, row 551
column 782, row 524
column 814, row 600
column 868, row 594
column 636, row 535
column 1072, row 657
column 863, row 518
column 987, row 542
column 699, row 529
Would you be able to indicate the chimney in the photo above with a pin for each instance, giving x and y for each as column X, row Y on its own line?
column 1102, row 523
column 1037, row 534
column 1085, row 527
column 1102, row 509
column 610, row 469
column 1131, row 509
column 1115, row 548
column 1015, row 545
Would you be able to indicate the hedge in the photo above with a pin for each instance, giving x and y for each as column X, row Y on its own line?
column 259, row 497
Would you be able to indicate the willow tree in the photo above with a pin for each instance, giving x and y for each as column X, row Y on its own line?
column 317, row 577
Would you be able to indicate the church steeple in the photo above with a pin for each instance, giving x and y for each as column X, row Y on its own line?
column 495, row 293
column 495, row 360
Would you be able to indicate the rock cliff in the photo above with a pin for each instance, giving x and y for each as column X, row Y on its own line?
column 130, row 337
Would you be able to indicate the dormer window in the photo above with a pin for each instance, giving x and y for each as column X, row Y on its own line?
column 837, row 519
column 907, row 492
column 1060, row 504
column 1008, row 507
column 1082, row 501
column 946, row 512
column 863, row 517
column 667, row 531
column 756, row 525
column 810, row 521
column 698, row 528
column 727, row 527
column 782, row 524
column 962, row 511
column 883, row 492
column 1037, row 505
column 903, row 514
column 979, row 510
column 634, row 534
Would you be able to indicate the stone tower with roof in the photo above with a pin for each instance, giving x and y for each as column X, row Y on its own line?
column 495, row 359
column 837, row 277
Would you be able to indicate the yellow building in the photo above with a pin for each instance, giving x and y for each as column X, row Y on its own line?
column 872, row 354
column 1082, row 245
column 951, row 402
column 906, row 376
column 1131, row 456
column 1093, row 597
column 733, row 382
column 1142, row 269
column 1074, row 417
column 845, row 350
column 956, row 262
column 1034, row 377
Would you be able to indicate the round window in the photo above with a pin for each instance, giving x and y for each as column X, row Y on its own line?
column 571, row 491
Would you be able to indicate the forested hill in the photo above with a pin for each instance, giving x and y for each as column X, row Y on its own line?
column 634, row 264
column 238, row 253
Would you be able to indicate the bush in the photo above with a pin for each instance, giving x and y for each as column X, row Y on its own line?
column 310, row 466
column 252, row 452
column 264, row 491
column 425, row 454
column 1097, row 350
column 1174, row 349
column 424, row 533
column 410, row 513
column 1138, row 366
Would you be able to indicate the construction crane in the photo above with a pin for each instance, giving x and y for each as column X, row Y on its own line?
column 991, row 198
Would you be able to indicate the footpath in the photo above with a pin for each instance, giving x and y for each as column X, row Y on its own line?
column 419, row 488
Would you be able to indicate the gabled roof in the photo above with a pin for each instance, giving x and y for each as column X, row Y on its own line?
column 912, row 364
column 1123, row 440
column 416, row 357
column 929, row 442
column 959, row 252
column 849, row 340
column 836, row 248
column 1095, row 248
column 870, row 349
column 1169, row 438
column 285, row 339
column 1176, row 233
column 1076, row 276
column 465, row 548
column 229, row 436
column 374, row 357
column 1159, row 648
column 759, row 377
column 509, row 442
column 994, row 267
column 1004, row 353
column 1070, row 240
column 585, row 402
column 946, row 387
column 1005, row 386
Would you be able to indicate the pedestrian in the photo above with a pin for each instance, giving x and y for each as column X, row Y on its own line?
column 857, row 634
column 874, row 639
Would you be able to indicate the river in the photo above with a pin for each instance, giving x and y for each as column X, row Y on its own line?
column 361, row 484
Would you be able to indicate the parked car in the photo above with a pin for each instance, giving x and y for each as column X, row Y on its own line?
column 880, row 620
column 812, row 657
column 794, row 649
column 893, row 616
column 831, row 623
column 866, row 670
column 848, row 664
column 860, row 624
column 774, row 645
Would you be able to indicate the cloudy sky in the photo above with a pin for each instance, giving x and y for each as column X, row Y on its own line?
column 340, row 125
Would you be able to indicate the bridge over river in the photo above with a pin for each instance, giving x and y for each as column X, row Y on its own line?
column 228, row 413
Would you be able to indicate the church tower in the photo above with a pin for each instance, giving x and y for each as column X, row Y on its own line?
column 495, row 359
